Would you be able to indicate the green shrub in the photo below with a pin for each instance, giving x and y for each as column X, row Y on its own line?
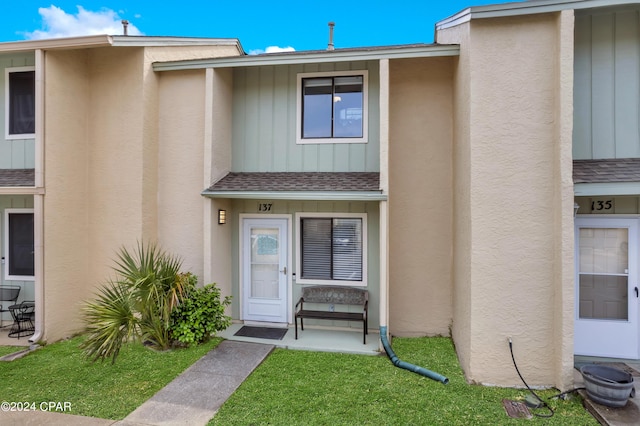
column 137, row 303
column 199, row 315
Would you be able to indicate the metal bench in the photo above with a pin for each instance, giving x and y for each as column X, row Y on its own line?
column 333, row 295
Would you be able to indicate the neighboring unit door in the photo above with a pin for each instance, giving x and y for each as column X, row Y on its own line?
column 264, row 248
column 606, row 320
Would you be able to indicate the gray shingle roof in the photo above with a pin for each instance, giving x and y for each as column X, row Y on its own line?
column 17, row 177
column 607, row 170
column 298, row 181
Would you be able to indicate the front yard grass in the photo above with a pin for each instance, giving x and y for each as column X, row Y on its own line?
column 6, row 350
column 60, row 373
column 311, row 388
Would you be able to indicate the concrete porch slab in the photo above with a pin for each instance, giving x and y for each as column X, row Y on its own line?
column 317, row 339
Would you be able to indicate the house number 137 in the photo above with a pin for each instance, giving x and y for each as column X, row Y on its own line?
column 264, row 207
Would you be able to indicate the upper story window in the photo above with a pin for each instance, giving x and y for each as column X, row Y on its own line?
column 332, row 249
column 20, row 103
column 332, row 107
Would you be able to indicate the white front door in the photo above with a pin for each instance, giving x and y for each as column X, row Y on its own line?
column 264, row 267
column 606, row 310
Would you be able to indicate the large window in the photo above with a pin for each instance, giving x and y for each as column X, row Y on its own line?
column 332, row 108
column 332, row 249
column 20, row 105
column 19, row 259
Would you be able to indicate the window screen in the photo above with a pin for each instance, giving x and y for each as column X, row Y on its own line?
column 331, row 249
column 20, row 256
column 22, row 103
column 332, row 107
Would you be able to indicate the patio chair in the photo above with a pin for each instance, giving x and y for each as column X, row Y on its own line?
column 23, row 315
column 8, row 296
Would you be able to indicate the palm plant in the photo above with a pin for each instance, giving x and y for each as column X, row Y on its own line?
column 136, row 304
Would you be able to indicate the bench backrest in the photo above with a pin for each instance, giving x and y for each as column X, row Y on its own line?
column 335, row 295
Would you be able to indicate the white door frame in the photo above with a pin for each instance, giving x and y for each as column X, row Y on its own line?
column 289, row 257
column 610, row 333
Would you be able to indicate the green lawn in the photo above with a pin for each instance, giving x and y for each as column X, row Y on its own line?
column 311, row 388
column 5, row 350
column 289, row 388
column 60, row 373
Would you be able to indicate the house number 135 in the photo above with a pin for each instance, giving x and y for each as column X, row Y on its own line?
column 264, row 207
column 601, row 205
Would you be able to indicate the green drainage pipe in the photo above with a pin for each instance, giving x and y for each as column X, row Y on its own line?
column 411, row 367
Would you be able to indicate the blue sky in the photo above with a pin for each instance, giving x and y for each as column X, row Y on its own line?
column 299, row 25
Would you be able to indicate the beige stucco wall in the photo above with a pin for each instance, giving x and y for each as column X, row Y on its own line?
column 66, row 212
column 218, row 253
column 511, row 167
column 102, row 159
column 420, row 196
column 564, row 294
column 181, row 160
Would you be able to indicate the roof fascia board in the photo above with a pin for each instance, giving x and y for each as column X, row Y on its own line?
column 116, row 41
column 56, row 43
column 309, row 58
column 524, row 8
column 299, row 195
column 599, row 189
column 144, row 41
column 21, row 190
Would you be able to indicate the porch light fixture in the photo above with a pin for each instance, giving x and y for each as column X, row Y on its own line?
column 576, row 206
column 222, row 217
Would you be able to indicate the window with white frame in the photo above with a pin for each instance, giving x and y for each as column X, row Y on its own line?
column 332, row 249
column 20, row 102
column 19, row 244
column 332, row 107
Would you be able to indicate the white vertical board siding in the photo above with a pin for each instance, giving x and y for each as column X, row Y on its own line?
column 241, row 206
column 607, row 89
column 264, row 123
column 15, row 153
column 627, row 75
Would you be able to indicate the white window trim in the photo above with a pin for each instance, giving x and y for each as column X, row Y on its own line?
column 8, row 277
column 365, row 108
column 8, row 71
column 300, row 280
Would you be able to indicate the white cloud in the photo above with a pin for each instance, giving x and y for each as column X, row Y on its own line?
column 58, row 23
column 272, row 49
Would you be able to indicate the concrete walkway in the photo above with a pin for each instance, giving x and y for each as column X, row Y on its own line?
column 195, row 396
column 191, row 399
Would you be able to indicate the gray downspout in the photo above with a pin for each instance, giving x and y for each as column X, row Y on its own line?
column 401, row 364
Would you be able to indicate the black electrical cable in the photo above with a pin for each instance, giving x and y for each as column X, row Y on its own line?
column 543, row 402
column 566, row 392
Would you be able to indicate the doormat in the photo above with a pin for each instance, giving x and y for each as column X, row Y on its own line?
column 516, row 409
column 262, row 332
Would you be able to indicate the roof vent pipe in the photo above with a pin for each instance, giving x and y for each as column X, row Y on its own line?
column 125, row 24
column 331, row 25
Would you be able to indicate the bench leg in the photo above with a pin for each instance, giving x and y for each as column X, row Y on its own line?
column 296, row 320
column 364, row 332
